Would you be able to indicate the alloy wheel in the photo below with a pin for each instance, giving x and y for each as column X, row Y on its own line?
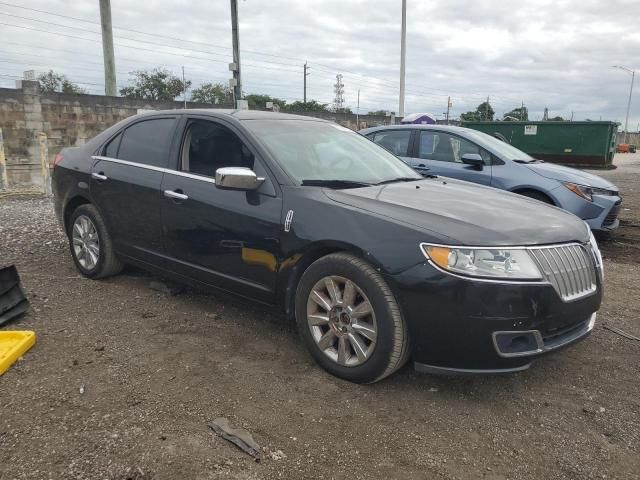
column 342, row 321
column 86, row 244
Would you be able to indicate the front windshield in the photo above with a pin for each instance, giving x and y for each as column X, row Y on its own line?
column 502, row 149
column 313, row 150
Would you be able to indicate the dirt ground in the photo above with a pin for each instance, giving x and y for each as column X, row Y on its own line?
column 155, row 369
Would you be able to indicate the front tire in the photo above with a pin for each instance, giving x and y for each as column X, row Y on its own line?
column 349, row 320
column 90, row 243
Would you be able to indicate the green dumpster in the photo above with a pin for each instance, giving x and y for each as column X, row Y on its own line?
column 578, row 144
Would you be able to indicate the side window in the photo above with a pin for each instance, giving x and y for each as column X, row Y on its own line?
column 111, row 150
column 148, row 142
column 444, row 147
column 208, row 146
column 396, row 141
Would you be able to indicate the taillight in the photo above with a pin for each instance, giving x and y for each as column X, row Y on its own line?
column 57, row 160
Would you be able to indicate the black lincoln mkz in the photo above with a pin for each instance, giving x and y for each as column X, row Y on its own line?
column 375, row 262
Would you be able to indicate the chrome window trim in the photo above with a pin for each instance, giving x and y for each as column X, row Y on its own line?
column 194, row 176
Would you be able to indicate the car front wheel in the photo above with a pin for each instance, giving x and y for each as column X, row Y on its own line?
column 90, row 243
column 349, row 319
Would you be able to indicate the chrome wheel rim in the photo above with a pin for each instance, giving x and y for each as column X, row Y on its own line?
column 86, row 244
column 342, row 321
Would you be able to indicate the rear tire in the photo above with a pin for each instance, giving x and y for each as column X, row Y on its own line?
column 349, row 319
column 541, row 197
column 90, row 244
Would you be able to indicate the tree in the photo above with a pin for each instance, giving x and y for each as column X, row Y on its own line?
column 519, row 113
column 310, row 106
column 343, row 110
column 52, row 82
column 213, row 93
column 257, row 100
column 483, row 113
column 158, row 84
column 381, row 113
column 557, row 119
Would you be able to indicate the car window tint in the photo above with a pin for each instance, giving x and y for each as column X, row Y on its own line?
column 147, row 142
column 396, row 141
column 111, row 150
column 448, row 148
column 208, row 146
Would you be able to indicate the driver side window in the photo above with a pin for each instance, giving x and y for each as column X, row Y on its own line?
column 208, row 146
column 444, row 147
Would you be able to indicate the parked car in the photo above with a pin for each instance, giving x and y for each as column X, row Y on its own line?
column 374, row 262
column 474, row 156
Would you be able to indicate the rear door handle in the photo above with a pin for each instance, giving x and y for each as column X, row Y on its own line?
column 176, row 194
column 99, row 176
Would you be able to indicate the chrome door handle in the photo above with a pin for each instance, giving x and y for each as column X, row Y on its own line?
column 99, row 176
column 176, row 195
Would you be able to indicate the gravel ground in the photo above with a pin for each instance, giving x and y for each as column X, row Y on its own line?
column 155, row 369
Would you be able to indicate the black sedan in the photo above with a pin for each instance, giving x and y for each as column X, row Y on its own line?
column 375, row 263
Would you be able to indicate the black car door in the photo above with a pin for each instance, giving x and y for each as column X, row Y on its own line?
column 125, row 184
column 225, row 238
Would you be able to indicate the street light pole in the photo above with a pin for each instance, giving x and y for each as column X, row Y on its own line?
column 403, row 54
column 626, row 121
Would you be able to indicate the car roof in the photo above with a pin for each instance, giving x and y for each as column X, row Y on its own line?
column 236, row 114
column 417, row 126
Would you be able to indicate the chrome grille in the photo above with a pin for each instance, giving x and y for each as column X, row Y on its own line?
column 569, row 268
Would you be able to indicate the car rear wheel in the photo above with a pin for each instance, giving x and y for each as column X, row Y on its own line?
column 90, row 244
column 349, row 319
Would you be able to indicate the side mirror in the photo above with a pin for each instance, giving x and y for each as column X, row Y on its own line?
column 237, row 178
column 474, row 160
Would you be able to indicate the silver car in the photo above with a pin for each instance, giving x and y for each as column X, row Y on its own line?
column 474, row 156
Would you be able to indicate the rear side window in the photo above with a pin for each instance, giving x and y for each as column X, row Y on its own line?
column 111, row 150
column 148, row 142
column 396, row 141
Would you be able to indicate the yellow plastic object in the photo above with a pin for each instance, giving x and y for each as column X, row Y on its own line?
column 13, row 345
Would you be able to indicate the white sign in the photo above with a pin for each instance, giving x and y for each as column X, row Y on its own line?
column 530, row 129
column 242, row 104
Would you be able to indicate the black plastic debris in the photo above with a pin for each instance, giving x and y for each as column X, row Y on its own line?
column 13, row 301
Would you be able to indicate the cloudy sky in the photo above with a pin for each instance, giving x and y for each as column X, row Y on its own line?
column 555, row 54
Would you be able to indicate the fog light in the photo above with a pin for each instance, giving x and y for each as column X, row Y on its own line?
column 518, row 343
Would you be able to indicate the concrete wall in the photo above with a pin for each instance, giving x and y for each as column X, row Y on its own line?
column 70, row 120
column 632, row 138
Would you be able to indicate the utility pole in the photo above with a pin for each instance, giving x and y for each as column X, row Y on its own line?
column 522, row 112
column 305, row 82
column 571, row 117
column 403, row 54
column 486, row 110
column 448, row 107
column 626, row 120
column 358, row 112
column 107, row 49
column 235, row 35
column 184, row 89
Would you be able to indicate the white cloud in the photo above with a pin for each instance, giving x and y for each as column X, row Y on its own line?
column 554, row 54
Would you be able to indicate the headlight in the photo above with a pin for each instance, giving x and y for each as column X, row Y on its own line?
column 513, row 264
column 596, row 252
column 583, row 191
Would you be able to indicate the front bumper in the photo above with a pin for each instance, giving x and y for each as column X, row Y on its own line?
column 607, row 220
column 460, row 326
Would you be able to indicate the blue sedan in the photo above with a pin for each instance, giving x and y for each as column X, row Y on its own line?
column 474, row 156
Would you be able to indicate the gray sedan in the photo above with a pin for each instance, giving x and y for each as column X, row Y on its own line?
column 474, row 156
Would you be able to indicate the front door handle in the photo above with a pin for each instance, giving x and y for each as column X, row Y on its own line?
column 99, row 176
column 176, row 194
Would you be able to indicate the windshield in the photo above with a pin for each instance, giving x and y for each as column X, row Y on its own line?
column 312, row 150
column 502, row 149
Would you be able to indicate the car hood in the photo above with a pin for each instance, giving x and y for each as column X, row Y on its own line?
column 466, row 213
column 567, row 174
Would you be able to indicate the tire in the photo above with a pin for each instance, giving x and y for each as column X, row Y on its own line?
column 381, row 344
column 90, row 262
column 541, row 197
